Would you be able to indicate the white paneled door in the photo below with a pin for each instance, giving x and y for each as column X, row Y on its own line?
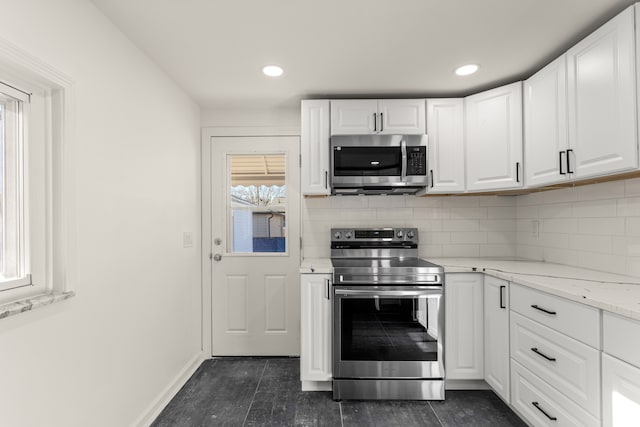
column 255, row 225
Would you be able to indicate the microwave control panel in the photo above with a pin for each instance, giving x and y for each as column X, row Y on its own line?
column 417, row 160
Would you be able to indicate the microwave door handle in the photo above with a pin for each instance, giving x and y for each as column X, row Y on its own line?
column 403, row 149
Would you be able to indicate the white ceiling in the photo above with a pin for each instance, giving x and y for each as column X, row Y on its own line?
column 215, row 49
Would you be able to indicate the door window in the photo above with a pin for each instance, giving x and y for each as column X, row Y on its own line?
column 257, row 205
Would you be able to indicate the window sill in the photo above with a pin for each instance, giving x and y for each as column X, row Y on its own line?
column 28, row 304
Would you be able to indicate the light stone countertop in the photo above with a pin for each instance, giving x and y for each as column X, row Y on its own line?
column 611, row 292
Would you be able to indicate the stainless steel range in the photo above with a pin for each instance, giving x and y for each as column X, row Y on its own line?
column 388, row 316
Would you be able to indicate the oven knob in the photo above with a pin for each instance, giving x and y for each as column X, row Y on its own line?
column 337, row 234
column 410, row 234
column 399, row 234
column 348, row 235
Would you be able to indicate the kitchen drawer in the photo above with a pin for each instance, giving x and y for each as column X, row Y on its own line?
column 570, row 366
column 526, row 389
column 619, row 338
column 577, row 320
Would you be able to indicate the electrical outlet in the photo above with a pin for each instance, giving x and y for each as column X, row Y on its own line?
column 535, row 228
column 187, row 239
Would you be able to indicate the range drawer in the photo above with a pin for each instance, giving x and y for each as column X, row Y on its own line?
column 619, row 338
column 570, row 366
column 571, row 318
column 539, row 403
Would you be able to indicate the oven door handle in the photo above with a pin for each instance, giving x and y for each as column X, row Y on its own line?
column 376, row 293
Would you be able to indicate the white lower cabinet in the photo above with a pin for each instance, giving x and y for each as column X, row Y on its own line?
column 315, row 312
column 496, row 335
column 620, row 393
column 464, row 337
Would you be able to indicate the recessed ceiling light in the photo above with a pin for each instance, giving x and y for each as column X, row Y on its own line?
column 465, row 70
column 273, row 70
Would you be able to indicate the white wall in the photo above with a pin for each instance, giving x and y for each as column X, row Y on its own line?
column 468, row 226
column 288, row 118
column 594, row 226
column 103, row 357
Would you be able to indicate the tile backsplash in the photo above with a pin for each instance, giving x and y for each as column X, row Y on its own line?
column 471, row 226
column 594, row 226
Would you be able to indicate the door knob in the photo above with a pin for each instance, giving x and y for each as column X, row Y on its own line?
column 217, row 257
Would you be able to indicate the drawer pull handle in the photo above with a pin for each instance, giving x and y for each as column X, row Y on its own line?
column 550, row 359
column 543, row 310
column 537, row 405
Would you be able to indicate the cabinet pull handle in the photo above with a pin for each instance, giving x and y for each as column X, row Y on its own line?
column 543, row 310
column 537, row 405
column 539, row 353
column 328, row 284
column 375, row 122
column 560, row 162
column 502, row 288
column 431, row 173
column 569, row 161
column 517, row 171
column 326, row 179
column 381, row 123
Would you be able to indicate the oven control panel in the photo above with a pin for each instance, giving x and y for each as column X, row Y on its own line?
column 374, row 234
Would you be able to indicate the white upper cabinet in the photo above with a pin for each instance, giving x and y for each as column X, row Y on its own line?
column 445, row 127
column 602, row 100
column 314, row 148
column 546, row 135
column 384, row 116
column 493, row 138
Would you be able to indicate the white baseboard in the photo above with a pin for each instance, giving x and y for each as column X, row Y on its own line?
column 317, row 385
column 158, row 404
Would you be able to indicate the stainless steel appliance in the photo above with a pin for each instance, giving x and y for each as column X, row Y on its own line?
column 388, row 316
column 378, row 164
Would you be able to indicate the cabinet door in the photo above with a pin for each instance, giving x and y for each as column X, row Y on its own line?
column 546, row 135
column 620, row 393
column 496, row 335
column 314, row 148
column 463, row 341
column 445, row 124
column 315, row 354
column 354, row 117
column 402, row 116
column 493, row 138
column 602, row 100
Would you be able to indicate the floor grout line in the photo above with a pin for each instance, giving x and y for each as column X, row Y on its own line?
column 253, row 398
column 435, row 413
column 341, row 416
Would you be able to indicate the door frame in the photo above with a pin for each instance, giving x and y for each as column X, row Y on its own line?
column 205, row 219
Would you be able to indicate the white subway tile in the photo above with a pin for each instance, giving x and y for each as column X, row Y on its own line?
column 558, row 210
column 502, row 212
column 423, row 202
column 460, row 250
column 604, row 226
column 554, row 240
column 626, row 245
column 502, row 237
column 386, row 201
column 436, row 238
column 527, row 238
column 633, row 266
column 461, row 202
column 532, row 199
column 632, row 226
column 467, row 213
column 632, row 187
column 498, row 224
column 560, row 256
column 591, row 243
column 523, row 212
column 559, row 225
column 316, row 202
column 428, row 226
column 458, row 237
column 604, row 190
column 530, row 252
column 629, row 206
column 497, row 201
column 349, row 202
column 497, row 250
column 403, row 214
column 430, row 251
column 431, row 213
column 563, row 195
column 595, row 208
column 460, row 225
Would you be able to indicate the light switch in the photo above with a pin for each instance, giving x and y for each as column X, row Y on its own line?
column 187, row 239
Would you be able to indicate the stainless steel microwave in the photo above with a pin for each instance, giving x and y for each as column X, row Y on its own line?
column 378, row 164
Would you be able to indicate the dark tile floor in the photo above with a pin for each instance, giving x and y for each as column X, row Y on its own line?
column 266, row 392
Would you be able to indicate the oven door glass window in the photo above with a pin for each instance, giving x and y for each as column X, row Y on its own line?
column 389, row 329
column 369, row 161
